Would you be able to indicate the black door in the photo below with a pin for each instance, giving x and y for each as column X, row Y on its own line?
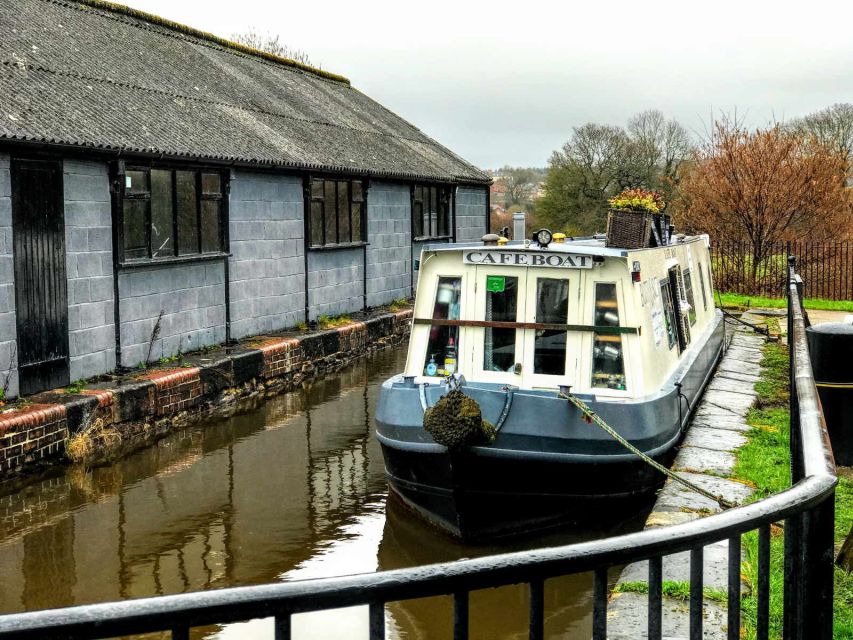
column 41, row 304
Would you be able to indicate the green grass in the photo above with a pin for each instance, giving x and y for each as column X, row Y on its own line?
column 398, row 304
column 738, row 301
column 672, row 589
column 331, row 322
column 764, row 463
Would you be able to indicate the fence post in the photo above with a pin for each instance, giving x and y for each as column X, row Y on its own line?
column 818, row 568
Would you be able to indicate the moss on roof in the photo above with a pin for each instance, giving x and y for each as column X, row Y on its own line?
column 198, row 33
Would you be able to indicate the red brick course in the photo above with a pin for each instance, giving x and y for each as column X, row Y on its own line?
column 31, row 434
column 175, row 390
column 353, row 336
column 281, row 356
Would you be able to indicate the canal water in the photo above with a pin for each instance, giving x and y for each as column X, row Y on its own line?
column 292, row 490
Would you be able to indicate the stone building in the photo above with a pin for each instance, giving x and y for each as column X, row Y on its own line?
column 154, row 174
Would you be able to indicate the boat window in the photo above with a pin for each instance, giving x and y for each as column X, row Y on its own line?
column 501, row 306
column 688, row 292
column 710, row 283
column 702, row 286
column 668, row 314
column 552, row 307
column 443, row 344
column 608, row 367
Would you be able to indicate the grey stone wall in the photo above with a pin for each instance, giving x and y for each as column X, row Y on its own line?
column 389, row 228
column 267, row 266
column 335, row 282
column 89, row 265
column 8, row 328
column 471, row 204
column 192, row 298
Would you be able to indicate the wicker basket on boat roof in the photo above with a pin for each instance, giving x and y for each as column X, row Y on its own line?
column 636, row 229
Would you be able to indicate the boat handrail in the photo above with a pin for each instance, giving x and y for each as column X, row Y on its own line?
column 546, row 326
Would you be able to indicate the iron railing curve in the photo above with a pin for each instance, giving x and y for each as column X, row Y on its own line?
column 183, row 611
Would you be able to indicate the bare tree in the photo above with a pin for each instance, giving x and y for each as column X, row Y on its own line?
column 271, row 43
column 661, row 145
column 832, row 126
column 519, row 183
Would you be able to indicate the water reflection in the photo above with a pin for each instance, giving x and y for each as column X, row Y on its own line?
column 292, row 490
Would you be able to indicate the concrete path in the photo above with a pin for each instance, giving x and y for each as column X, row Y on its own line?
column 707, row 458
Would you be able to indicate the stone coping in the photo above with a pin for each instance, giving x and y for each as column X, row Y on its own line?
column 163, row 392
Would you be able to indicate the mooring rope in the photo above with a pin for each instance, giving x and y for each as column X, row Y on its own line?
column 591, row 417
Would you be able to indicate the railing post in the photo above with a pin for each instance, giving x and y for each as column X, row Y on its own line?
column 818, row 568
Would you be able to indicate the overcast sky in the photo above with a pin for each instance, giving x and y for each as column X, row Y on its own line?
column 505, row 83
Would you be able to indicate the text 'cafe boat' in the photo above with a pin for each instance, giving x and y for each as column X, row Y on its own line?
column 633, row 333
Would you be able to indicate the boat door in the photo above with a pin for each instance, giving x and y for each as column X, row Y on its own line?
column 549, row 354
column 499, row 295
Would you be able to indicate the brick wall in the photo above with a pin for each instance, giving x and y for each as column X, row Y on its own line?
column 35, row 433
column 389, row 214
column 89, row 264
column 281, row 357
column 192, row 298
column 335, row 282
column 471, row 210
column 8, row 328
column 176, row 390
column 267, row 267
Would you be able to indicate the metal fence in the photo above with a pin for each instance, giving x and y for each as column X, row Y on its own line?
column 826, row 267
column 807, row 510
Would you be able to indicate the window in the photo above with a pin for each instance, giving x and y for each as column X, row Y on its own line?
column 668, row 314
column 171, row 212
column 688, row 293
column 702, row 286
column 431, row 212
column 443, row 345
column 336, row 212
column 608, row 367
column 501, row 306
column 552, row 307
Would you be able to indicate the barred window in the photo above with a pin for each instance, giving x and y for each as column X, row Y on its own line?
column 431, row 211
column 169, row 212
column 336, row 213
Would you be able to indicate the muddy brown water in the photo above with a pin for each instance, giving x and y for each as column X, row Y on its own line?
column 292, row 490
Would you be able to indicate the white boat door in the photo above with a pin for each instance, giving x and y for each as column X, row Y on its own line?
column 499, row 295
column 550, row 355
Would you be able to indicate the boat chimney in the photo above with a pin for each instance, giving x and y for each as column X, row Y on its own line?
column 519, row 225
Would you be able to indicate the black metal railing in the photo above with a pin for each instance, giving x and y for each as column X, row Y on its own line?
column 807, row 509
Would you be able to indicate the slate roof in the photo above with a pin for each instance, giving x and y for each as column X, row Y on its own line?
column 92, row 74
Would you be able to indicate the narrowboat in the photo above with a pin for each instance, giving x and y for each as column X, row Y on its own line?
column 518, row 325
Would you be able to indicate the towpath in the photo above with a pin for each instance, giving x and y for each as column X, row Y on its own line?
column 707, row 458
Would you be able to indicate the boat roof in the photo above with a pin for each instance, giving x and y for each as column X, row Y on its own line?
column 586, row 245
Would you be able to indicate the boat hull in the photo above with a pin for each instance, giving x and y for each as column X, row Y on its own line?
column 547, row 465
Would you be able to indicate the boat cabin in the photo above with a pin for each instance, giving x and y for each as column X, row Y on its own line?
column 570, row 313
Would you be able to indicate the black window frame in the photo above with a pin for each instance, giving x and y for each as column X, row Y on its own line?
column 319, row 198
column 177, row 254
column 440, row 197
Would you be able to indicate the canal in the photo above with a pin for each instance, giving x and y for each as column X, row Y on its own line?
column 292, row 490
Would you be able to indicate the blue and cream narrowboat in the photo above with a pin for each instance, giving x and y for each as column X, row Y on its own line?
column 634, row 333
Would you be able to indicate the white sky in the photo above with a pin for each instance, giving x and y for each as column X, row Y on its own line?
column 505, row 83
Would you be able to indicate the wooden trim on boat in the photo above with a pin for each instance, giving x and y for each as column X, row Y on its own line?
column 494, row 324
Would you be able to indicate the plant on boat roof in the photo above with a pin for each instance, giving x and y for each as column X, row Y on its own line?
column 638, row 200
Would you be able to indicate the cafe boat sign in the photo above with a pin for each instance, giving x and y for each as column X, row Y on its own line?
column 527, row 259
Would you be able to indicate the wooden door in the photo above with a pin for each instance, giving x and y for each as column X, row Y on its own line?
column 41, row 303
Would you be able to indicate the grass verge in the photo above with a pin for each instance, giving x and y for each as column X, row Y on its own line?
column 672, row 589
column 738, row 301
column 764, row 462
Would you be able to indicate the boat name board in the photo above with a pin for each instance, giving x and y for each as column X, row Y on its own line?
column 527, row 259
